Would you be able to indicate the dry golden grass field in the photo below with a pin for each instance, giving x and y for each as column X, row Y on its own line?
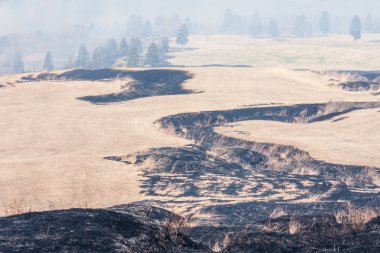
column 52, row 144
column 335, row 52
column 215, row 158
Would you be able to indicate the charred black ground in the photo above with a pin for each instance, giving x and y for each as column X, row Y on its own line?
column 147, row 83
column 130, row 228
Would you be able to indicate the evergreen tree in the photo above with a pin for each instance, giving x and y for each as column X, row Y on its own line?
column 189, row 24
column 83, row 57
column 48, row 63
column 356, row 28
column 182, row 37
column 302, row 27
column 133, row 57
column 232, row 23
column 369, row 24
column 273, row 28
column 137, row 44
column 256, row 26
column 17, row 64
column 98, row 58
column 228, row 21
column 153, row 57
column 324, row 23
column 147, row 30
column 111, row 52
column 123, row 49
column 4, row 42
column 135, row 26
column 165, row 46
column 111, row 46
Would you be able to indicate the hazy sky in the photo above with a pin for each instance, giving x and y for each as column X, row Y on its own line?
column 49, row 15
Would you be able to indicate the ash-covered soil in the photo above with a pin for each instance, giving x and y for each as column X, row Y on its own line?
column 146, row 83
column 143, row 228
column 130, row 228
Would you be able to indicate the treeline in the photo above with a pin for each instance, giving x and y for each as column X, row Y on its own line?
column 125, row 53
column 133, row 53
column 148, row 41
column 302, row 27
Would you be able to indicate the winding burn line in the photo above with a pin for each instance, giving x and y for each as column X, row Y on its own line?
column 217, row 165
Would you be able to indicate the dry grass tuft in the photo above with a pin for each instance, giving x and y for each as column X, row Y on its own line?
column 175, row 226
column 294, row 226
column 356, row 218
column 223, row 243
column 278, row 213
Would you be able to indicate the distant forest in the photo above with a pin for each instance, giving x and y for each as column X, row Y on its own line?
column 146, row 42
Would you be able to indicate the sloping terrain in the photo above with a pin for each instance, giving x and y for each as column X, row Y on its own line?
column 53, row 145
column 132, row 228
column 219, row 168
column 59, row 150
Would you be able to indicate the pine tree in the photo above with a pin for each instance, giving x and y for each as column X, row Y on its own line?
column 228, row 21
column 137, row 44
column 232, row 23
column 83, row 57
column 133, row 57
column 17, row 64
column 135, row 26
column 189, row 24
column 111, row 52
column 302, row 27
column 4, row 42
column 165, row 46
column 182, row 37
column 369, row 24
column 273, row 28
column 153, row 57
column 356, row 28
column 48, row 63
column 147, row 31
column 256, row 26
column 98, row 58
column 324, row 23
column 123, row 49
